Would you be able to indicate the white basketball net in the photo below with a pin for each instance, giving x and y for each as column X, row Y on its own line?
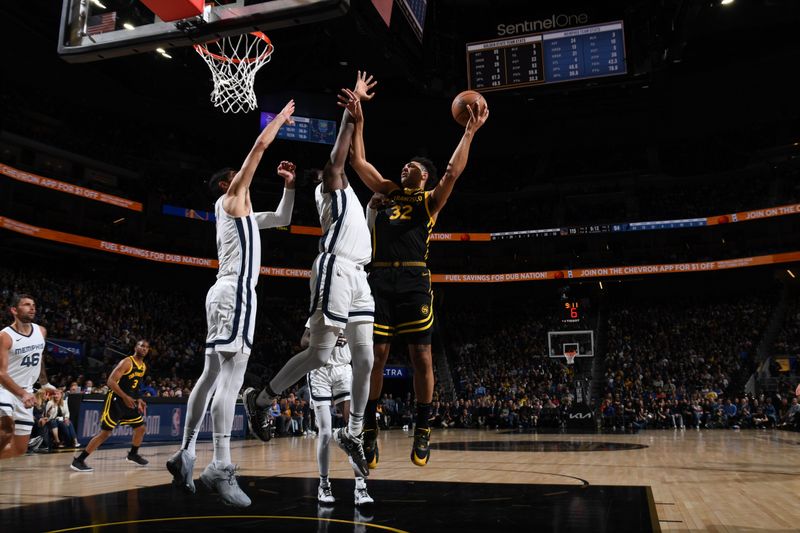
column 570, row 356
column 234, row 62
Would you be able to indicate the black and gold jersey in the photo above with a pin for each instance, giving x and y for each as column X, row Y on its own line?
column 132, row 381
column 402, row 229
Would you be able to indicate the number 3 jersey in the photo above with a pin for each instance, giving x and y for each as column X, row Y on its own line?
column 131, row 382
column 402, row 228
column 25, row 356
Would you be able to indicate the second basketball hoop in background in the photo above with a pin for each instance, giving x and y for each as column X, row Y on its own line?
column 234, row 62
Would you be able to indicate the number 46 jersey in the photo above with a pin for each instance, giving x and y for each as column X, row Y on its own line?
column 25, row 356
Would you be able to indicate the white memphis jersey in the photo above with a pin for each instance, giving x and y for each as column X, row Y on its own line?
column 344, row 227
column 25, row 356
column 238, row 245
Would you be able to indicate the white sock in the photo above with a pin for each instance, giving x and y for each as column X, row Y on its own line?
column 356, row 424
column 222, row 449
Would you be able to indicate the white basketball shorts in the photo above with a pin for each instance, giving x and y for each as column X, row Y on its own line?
column 340, row 292
column 12, row 406
column 231, row 316
column 330, row 384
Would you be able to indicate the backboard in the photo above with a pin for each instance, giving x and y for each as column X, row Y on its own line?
column 92, row 30
column 581, row 342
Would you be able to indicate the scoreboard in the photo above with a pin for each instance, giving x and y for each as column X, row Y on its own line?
column 315, row 130
column 551, row 57
column 571, row 312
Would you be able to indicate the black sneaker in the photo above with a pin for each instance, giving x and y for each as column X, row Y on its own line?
column 80, row 466
column 420, row 453
column 354, row 448
column 257, row 419
column 371, row 452
column 137, row 459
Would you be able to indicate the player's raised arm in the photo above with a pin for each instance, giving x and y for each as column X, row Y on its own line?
column 122, row 368
column 282, row 216
column 237, row 195
column 333, row 176
column 5, row 379
column 442, row 191
column 358, row 159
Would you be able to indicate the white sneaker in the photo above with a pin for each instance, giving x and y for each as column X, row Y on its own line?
column 361, row 496
column 181, row 466
column 325, row 494
column 223, row 481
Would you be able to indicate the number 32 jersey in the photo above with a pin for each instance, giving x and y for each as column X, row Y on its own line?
column 403, row 228
column 25, row 356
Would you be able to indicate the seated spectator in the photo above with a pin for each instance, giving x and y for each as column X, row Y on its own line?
column 760, row 419
column 770, row 412
column 57, row 413
column 147, row 388
column 730, row 415
column 792, row 418
column 40, row 436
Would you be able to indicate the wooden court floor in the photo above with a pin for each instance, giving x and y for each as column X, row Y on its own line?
column 710, row 480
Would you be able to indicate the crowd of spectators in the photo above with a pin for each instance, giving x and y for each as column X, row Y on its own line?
column 502, row 375
column 702, row 412
column 787, row 342
column 683, row 363
column 676, row 364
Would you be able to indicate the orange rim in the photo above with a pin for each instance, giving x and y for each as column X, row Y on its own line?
column 202, row 49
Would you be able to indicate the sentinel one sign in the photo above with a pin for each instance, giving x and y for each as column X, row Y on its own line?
column 554, row 21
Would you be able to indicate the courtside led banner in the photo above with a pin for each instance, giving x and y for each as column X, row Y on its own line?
column 69, row 188
column 163, row 422
column 576, row 273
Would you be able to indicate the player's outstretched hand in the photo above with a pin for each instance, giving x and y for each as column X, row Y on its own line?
column 286, row 170
column 478, row 113
column 287, row 112
column 364, row 84
column 350, row 101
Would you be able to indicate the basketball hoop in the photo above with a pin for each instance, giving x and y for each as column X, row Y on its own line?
column 570, row 356
column 234, row 62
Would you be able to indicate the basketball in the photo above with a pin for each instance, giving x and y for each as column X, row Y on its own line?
column 460, row 103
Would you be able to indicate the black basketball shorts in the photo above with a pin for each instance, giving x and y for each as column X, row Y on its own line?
column 403, row 304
